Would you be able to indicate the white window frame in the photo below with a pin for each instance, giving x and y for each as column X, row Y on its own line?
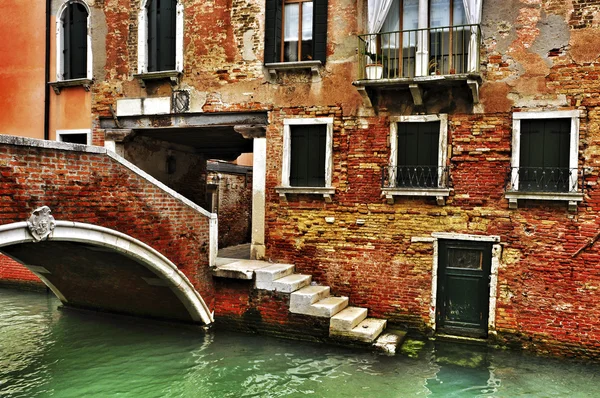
column 143, row 38
column 285, row 187
column 441, row 191
column 87, row 132
column 574, row 195
column 60, row 36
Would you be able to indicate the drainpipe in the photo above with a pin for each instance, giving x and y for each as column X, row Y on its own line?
column 47, row 75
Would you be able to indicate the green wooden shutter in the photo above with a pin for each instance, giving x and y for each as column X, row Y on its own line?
column 320, row 30
column 67, row 27
column 152, row 35
column 418, row 144
column 316, row 155
column 545, row 143
column 78, row 38
column 298, row 156
column 544, row 155
column 273, row 20
column 307, row 163
column 166, row 31
column 417, row 160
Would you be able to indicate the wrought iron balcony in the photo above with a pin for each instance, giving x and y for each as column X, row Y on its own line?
column 544, row 179
column 446, row 50
column 414, row 177
column 418, row 57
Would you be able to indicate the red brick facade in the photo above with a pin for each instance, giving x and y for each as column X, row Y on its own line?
column 536, row 56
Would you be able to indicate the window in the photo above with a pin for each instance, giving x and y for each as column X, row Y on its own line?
column 73, row 50
column 417, row 160
column 417, row 167
column 544, row 162
column 307, row 157
column 307, row 164
column 418, row 38
column 295, row 30
column 160, row 36
column 82, row 136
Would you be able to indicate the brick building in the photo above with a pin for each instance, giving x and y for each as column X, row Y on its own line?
column 436, row 161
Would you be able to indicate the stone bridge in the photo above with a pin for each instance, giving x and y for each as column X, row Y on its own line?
column 104, row 235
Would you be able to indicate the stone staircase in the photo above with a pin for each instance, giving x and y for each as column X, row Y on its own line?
column 348, row 323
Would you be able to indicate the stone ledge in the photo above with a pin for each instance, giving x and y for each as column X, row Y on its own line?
column 326, row 192
column 58, row 85
column 314, row 66
column 571, row 197
column 439, row 193
column 172, row 75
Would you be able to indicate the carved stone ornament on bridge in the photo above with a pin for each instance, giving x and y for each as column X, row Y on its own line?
column 41, row 223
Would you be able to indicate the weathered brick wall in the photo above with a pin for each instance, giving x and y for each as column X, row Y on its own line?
column 241, row 307
column 94, row 188
column 234, row 207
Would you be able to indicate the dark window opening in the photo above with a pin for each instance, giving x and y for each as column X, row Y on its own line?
column 75, row 138
column 544, row 155
column 417, row 161
column 161, row 35
column 75, row 42
column 308, row 147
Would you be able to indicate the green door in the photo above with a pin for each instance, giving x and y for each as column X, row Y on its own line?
column 463, row 287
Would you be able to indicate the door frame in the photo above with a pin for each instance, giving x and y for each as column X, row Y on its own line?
column 496, row 255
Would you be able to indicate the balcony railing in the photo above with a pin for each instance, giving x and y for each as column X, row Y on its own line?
column 543, row 179
column 414, row 177
column 419, row 52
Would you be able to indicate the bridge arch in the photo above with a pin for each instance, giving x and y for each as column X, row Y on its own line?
column 17, row 241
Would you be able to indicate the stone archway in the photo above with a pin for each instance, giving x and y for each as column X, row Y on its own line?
column 151, row 283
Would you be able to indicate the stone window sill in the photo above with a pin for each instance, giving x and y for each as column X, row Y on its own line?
column 439, row 193
column 571, row 197
column 172, row 75
column 326, row 192
column 284, row 66
column 58, row 85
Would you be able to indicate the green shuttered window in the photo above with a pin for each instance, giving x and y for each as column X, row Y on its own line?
column 75, row 42
column 161, row 35
column 295, row 30
column 307, row 168
column 418, row 148
column 544, row 154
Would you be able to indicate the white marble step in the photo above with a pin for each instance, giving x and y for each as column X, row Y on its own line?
column 326, row 307
column 366, row 331
column 329, row 306
column 348, row 318
column 290, row 283
column 267, row 275
column 306, row 296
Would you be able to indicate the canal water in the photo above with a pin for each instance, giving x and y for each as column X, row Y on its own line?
column 49, row 352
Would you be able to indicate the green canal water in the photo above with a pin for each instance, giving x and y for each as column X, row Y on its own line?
column 49, row 352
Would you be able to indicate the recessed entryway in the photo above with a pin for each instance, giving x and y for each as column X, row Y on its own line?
column 463, row 287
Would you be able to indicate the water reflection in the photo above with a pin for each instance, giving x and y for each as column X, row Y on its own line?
column 45, row 352
column 462, row 373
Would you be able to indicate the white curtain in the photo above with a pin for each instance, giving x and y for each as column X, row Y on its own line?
column 473, row 11
column 378, row 11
